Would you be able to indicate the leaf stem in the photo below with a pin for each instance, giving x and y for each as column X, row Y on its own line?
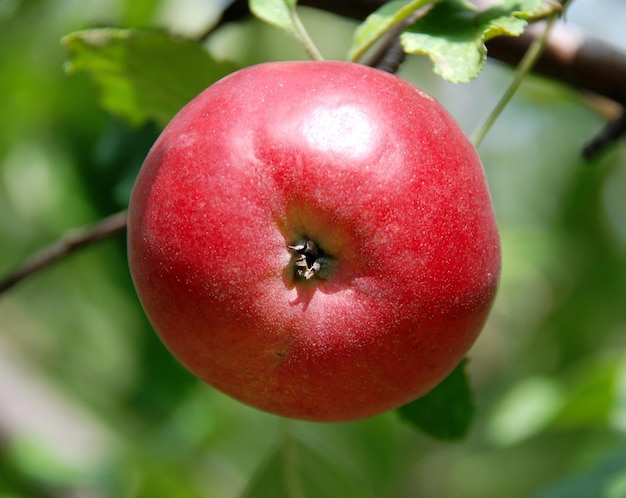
column 523, row 69
column 306, row 40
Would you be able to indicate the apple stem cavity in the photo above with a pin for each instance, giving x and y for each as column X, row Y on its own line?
column 309, row 260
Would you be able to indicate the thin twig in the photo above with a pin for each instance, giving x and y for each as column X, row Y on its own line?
column 392, row 58
column 70, row 242
column 611, row 133
column 390, row 55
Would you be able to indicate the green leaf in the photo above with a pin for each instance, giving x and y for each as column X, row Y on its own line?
column 454, row 32
column 143, row 75
column 380, row 22
column 277, row 13
column 295, row 469
column 447, row 411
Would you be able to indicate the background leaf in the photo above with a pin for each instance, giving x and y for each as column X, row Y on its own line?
column 447, row 411
column 143, row 75
column 453, row 34
column 276, row 13
column 607, row 478
column 295, row 469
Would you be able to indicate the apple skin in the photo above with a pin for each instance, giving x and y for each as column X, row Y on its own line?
column 373, row 171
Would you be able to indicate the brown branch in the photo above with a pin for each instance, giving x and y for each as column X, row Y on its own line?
column 580, row 61
column 571, row 57
column 69, row 243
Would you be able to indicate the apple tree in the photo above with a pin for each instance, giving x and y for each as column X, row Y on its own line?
column 94, row 404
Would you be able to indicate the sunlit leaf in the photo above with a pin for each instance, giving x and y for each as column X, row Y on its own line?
column 143, row 75
column 454, row 32
column 447, row 411
column 379, row 22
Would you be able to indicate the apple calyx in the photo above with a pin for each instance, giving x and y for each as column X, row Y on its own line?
column 309, row 260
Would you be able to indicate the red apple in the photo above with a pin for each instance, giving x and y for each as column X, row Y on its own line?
column 315, row 239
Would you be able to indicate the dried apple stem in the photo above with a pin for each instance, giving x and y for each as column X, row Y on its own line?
column 310, row 261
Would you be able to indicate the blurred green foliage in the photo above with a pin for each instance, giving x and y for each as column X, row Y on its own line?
column 92, row 405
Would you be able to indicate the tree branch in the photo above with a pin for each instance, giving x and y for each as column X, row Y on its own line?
column 612, row 132
column 570, row 56
column 581, row 62
column 69, row 243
